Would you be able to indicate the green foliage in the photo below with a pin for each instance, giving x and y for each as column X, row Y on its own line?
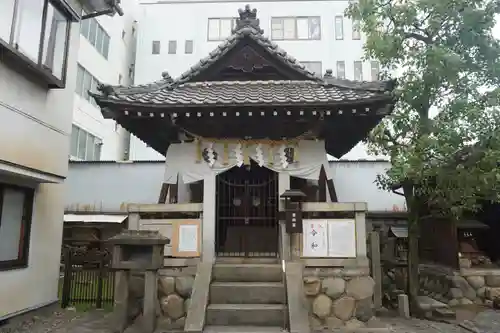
column 448, row 68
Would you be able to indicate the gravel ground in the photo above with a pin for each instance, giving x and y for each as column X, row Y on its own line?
column 70, row 321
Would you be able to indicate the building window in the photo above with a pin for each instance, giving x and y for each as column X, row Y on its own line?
column 86, row 82
column 155, row 47
column 39, row 31
column 375, row 69
column 296, row 28
column 120, row 78
column 188, row 47
column 220, row 28
column 16, row 207
column 96, row 35
column 341, row 69
column 339, row 27
column 356, row 30
column 358, row 71
column 172, row 47
column 84, row 146
column 313, row 66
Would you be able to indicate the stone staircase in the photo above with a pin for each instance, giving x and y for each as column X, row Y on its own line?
column 246, row 297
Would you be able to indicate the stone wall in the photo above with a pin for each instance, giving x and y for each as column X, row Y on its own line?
column 173, row 300
column 469, row 286
column 339, row 297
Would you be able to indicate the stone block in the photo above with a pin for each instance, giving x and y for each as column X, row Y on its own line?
column 322, row 306
column 360, row 287
column 312, row 285
column 476, row 282
column 343, row 308
column 493, row 280
column 333, row 287
column 184, row 285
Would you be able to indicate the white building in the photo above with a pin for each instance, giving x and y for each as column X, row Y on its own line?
column 38, row 68
column 174, row 35
column 107, row 55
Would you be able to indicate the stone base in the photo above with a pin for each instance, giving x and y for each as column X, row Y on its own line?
column 173, row 300
column 338, row 299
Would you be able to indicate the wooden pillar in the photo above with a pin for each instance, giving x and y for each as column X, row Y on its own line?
column 208, row 219
column 163, row 193
column 360, row 220
column 283, row 185
column 133, row 221
column 376, row 268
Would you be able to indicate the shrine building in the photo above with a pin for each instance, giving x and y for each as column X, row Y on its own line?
column 240, row 128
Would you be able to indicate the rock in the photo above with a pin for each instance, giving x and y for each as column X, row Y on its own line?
column 163, row 324
column 466, row 301
column 179, row 324
column 476, row 281
column 353, row 324
column 166, row 285
column 464, row 263
column 374, row 322
column 322, row 306
column 493, row 280
column 481, row 292
column 312, row 285
column 172, row 306
column 334, row 322
column 364, row 309
column 454, row 302
column 187, row 303
column 462, row 284
column 456, row 293
column 343, row 308
column 360, row 287
column 333, row 287
column 315, row 323
column 478, row 301
column 492, row 293
column 184, row 285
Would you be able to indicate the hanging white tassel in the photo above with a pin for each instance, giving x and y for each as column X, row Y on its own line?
column 259, row 155
column 238, row 152
column 211, row 154
column 283, row 160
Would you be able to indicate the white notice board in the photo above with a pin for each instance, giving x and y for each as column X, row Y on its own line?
column 333, row 238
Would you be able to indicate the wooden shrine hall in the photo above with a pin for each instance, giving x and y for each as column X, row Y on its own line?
column 242, row 121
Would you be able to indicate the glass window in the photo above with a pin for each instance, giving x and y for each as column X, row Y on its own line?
column 291, row 28
column 375, row 70
column 15, row 222
column 358, row 71
column 98, row 39
column 220, row 28
column 188, row 47
column 29, row 28
column 97, row 149
column 7, row 10
column 82, row 145
column 90, row 147
column 105, row 45
column 92, row 31
column 87, row 85
column 80, row 73
column 156, row 47
column 84, row 28
column 356, row 30
column 73, row 148
column 226, row 27
column 54, row 45
column 172, row 46
column 339, row 27
column 213, row 29
column 341, row 69
column 313, row 66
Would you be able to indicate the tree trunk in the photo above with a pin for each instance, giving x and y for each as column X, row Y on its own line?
column 413, row 253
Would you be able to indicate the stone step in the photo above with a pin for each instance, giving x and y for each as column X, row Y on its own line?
column 244, row 260
column 247, row 272
column 243, row 329
column 429, row 304
column 247, row 293
column 444, row 313
column 245, row 314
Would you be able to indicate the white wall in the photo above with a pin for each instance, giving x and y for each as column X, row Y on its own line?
column 34, row 132
column 188, row 20
column 121, row 55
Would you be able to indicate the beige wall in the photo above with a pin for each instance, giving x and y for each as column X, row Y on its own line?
column 34, row 132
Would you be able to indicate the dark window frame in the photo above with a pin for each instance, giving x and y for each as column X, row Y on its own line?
column 339, row 35
column 12, row 56
column 155, row 47
column 27, row 219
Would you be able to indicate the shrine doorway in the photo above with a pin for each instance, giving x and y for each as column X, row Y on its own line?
column 247, row 212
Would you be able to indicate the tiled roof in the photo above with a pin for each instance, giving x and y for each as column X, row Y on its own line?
column 183, row 91
column 250, row 93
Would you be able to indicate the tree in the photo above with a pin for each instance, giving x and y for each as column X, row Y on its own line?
column 447, row 62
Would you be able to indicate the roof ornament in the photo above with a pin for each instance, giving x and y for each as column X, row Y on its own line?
column 328, row 74
column 105, row 89
column 248, row 19
column 166, row 77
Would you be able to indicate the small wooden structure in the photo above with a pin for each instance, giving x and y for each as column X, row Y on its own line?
column 137, row 250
